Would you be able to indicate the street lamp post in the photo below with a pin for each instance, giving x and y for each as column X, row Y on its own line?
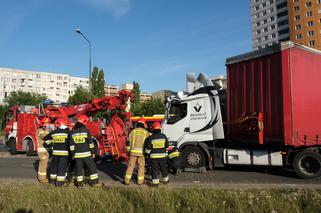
column 89, row 79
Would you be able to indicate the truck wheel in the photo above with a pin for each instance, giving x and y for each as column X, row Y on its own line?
column 12, row 146
column 30, row 148
column 193, row 157
column 307, row 164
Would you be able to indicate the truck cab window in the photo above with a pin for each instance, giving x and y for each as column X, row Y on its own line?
column 176, row 113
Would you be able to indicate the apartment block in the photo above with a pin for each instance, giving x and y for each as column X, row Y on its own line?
column 111, row 90
column 305, row 22
column 145, row 97
column 269, row 23
column 57, row 87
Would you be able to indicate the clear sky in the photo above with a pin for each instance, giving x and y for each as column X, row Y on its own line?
column 154, row 42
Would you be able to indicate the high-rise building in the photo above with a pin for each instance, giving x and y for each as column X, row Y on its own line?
column 57, row 87
column 269, row 22
column 305, row 22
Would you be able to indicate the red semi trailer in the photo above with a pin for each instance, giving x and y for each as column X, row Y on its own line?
column 273, row 103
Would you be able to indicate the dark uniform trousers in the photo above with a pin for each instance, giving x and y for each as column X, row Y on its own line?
column 58, row 168
column 156, row 165
column 90, row 167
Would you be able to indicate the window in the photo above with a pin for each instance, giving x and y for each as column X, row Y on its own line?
column 298, row 36
column 272, row 18
column 297, row 17
column 310, row 33
column 257, row 8
column 266, row 38
column 265, row 29
column 282, row 5
column 282, row 32
column 272, row 27
column 296, row 8
column 265, row 21
column 281, row 23
column 308, row 4
column 311, row 43
column 38, row 76
column 176, row 113
column 273, row 35
column 310, row 23
column 285, row 13
column 298, row 26
column 264, row 4
column 309, row 14
column 264, row 12
column 271, row 1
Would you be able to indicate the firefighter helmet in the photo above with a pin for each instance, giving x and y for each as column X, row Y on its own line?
column 83, row 119
column 44, row 121
column 60, row 122
column 156, row 125
column 142, row 121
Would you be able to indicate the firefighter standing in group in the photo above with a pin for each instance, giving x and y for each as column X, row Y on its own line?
column 41, row 151
column 136, row 140
column 156, row 147
column 82, row 150
column 58, row 140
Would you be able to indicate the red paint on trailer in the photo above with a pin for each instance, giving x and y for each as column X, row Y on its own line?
column 283, row 83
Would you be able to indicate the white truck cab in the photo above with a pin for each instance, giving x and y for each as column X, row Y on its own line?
column 193, row 120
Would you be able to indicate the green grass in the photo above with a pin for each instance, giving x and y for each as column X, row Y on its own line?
column 35, row 198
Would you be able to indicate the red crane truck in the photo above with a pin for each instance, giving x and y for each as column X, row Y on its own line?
column 109, row 135
column 271, row 114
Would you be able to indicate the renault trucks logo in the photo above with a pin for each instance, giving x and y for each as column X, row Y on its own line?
column 197, row 107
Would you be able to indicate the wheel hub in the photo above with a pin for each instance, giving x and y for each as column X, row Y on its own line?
column 310, row 165
column 193, row 159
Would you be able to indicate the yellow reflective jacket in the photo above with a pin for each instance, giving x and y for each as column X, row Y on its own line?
column 137, row 139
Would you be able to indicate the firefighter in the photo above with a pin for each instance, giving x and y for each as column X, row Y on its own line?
column 156, row 147
column 41, row 151
column 82, row 149
column 136, row 140
column 58, row 140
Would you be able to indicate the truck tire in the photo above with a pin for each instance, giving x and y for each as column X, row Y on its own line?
column 12, row 146
column 193, row 157
column 30, row 148
column 307, row 164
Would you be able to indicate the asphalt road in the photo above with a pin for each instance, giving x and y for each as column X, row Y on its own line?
column 23, row 169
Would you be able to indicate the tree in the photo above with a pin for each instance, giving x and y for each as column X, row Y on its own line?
column 152, row 107
column 3, row 109
column 97, row 82
column 136, row 108
column 24, row 98
column 81, row 95
column 136, row 91
column 149, row 108
column 101, row 84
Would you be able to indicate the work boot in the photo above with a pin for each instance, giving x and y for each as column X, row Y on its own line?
column 44, row 181
column 154, row 185
column 79, row 184
column 97, row 185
